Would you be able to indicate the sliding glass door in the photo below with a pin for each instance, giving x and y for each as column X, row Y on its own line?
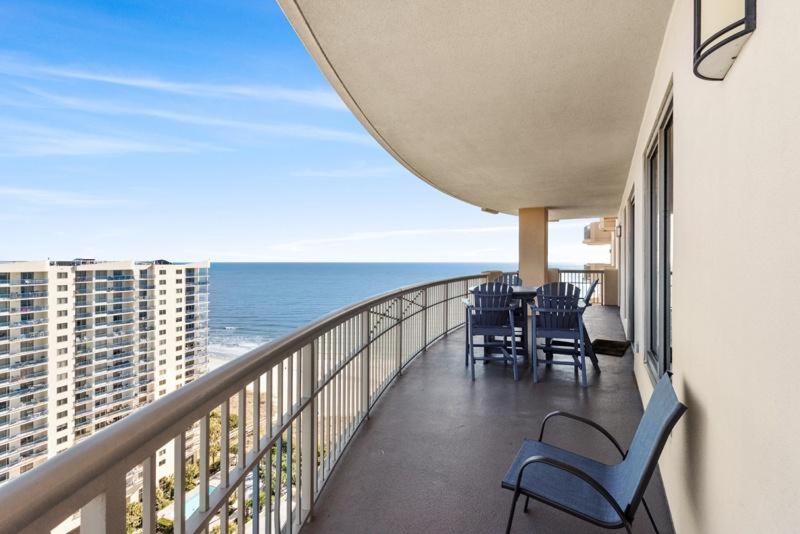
column 660, row 249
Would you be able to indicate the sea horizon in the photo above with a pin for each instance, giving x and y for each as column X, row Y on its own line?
column 256, row 302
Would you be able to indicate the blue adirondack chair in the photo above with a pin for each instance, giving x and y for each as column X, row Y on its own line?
column 605, row 495
column 491, row 316
column 558, row 314
column 587, row 344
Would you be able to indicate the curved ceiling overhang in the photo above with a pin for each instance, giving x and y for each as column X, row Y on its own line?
column 504, row 105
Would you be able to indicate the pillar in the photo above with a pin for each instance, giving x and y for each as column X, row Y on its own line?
column 533, row 246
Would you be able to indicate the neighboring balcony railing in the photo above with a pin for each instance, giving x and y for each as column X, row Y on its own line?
column 300, row 401
column 584, row 278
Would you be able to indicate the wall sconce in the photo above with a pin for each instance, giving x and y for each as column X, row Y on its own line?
column 721, row 27
column 618, row 230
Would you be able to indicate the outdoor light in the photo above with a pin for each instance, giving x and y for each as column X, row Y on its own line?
column 619, row 230
column 721, row 27
column 490, row 210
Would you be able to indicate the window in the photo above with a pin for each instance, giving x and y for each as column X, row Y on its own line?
column 62, row 313
column 61, row 415
column 62, row 288
column 62, row 275
column 62, row 326
column 62, row 300
column 63, row 351
column 61, row 389
column 162, row 271
column 61, row 402
column 61, row 339
column 61, row 440
column 660, row 248
column 62, row 363
column 61, row 428
column 62, row 376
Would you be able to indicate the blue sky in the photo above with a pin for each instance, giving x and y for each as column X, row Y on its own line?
column 203, row 130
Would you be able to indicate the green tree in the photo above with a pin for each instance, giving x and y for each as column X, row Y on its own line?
column 133, row 517
column 164, row 526
column 192, row 476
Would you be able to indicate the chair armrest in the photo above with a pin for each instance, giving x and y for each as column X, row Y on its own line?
column 574, row 471
column 583, row 420
column 467, row 303
column 556, row 310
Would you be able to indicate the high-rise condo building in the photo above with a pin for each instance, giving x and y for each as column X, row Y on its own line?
column 83, row 343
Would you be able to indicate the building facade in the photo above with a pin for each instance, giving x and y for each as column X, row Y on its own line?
column 84, row 343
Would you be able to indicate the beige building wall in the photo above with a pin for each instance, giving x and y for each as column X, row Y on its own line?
column 731, row 465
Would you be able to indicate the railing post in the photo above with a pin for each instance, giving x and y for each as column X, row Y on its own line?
column 179, row 521
column 365, row 355
column 149, row 485
column 224, row 461
column 425, row 318
column 399, row 333
column 106, row 512
column 308, row 425
column 446, row 307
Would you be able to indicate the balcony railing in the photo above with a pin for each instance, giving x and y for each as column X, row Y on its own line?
column 319, row 384
column 584, row 279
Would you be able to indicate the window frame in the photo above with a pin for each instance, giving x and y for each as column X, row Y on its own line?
column 659, row 185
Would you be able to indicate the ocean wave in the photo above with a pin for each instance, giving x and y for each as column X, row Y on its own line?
column 230, row 347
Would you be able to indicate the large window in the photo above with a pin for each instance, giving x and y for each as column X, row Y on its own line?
column 659, row 249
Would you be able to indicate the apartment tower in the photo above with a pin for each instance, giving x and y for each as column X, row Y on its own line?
column 83, row 343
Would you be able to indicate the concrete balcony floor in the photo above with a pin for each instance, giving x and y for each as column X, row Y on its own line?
column 433, row 453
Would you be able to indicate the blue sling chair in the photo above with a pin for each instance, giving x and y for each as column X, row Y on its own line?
column 605, row 495
column 492, row 316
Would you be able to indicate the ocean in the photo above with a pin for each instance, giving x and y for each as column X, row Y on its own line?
column 254, row 303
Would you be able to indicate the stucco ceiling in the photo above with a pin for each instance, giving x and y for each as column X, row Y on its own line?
column 503, row 104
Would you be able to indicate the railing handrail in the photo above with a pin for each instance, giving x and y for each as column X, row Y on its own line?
column 581, row 271
column 71, row 479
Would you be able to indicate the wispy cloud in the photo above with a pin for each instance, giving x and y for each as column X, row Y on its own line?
column 299, row 245
column 323, row 98
column 46, row 197
column 359, row 171
column 25, row 139
column 302, row 131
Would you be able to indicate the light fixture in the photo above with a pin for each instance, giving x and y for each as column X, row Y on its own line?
column 490, row 210
column 721, row 27
column 619, row 230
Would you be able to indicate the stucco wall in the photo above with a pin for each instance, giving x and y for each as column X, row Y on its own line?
column 733, row 463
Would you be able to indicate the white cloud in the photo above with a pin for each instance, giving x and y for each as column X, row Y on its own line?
column 276, row 129
column 48, row 197
column 323, row 98
column 25, row 139
column 349, row 172
column 302, row 244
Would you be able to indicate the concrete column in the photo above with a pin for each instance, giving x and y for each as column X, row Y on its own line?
column 533, row 246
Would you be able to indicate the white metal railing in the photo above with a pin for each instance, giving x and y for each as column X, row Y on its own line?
column 584, row 278
column 299, row 401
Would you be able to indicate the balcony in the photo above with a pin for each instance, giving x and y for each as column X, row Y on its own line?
column 443, row 440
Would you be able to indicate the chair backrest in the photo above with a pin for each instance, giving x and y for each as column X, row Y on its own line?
column 559, row 300
column 492, row 302
column 511, row 279
column 661, row 415
column 588, row 297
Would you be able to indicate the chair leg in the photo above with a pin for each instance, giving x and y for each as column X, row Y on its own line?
column 527, row 499
column 514, row 356
column 584, row 381
column 652, row 521
column 511, row 515
column 472, row 355
column 548, row 355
